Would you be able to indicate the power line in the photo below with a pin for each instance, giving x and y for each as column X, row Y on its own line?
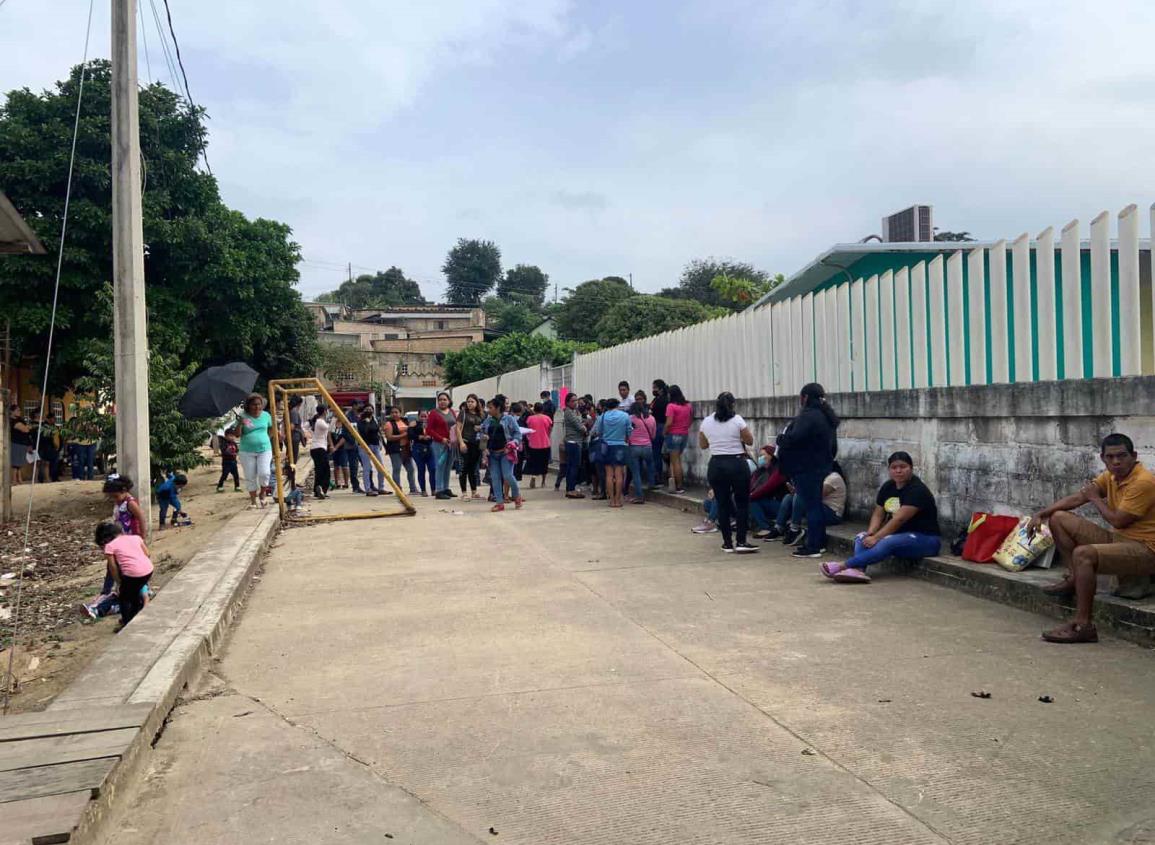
column 184, row 76
column 9, row 680
column 144, row 40
column 164, row 46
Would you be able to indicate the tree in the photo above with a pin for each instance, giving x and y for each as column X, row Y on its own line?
column 220, row 286
column 509, row 316
column 512, row 352
column 643, row 315
column 578, row 314
column 381, row 290
column 471, row 270
column 698, row 276
column 953, row 236
column 342, row 363
column 743, row 291
column 524, row 283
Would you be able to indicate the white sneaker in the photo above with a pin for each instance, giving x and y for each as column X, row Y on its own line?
column 745, row 549
column 706, row 527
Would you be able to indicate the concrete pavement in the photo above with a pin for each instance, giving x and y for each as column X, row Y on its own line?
column 573, row 674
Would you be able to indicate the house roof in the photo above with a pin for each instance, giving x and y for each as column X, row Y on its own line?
column 16, row 238
column 841, row 257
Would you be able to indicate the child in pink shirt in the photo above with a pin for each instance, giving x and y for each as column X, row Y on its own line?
column 129, row 564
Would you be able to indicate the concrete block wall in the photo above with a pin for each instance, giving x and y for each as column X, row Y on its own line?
column 1008, row 448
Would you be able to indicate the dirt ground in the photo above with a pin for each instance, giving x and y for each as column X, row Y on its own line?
column 65, row 568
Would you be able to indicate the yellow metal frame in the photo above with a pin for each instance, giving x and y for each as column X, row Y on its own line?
column 311, row 386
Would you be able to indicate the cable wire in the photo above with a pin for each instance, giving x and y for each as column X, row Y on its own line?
column 9, row 678
column 184, row 76
column 144, row 40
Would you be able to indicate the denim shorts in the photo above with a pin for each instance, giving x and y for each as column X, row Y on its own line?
column 615, row 456
column 674, row 443
column 340, row 458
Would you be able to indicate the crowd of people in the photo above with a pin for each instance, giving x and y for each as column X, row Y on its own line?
column 47, row 447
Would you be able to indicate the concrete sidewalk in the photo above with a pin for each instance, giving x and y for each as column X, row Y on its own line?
column 573, row 674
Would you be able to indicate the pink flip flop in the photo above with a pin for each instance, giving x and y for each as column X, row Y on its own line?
column 852, row 576
column 831, row 568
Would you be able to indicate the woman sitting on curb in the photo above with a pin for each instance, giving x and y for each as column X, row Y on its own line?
column 904, row 524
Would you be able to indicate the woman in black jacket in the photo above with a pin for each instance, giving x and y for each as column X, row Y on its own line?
column 806, row 452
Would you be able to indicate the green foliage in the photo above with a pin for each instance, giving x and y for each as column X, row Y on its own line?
column 509, row 316
column 697, row 278
column 381, row 290
column 742, row 290
column 524, row 284
column 953, row 236
column 512, row 352
column 339, row 363
column 471, row 270
column 578, row 314
column 174, row 442
column 220, row 286
column 642, row 315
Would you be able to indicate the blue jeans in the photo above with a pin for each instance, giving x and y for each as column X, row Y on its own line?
column 83, row 458
column 443, row 465
column 396, row 461
column 423, row 457
column 166, row 501
column 501, row 471
column 793, row 510
column 368, row 468
column 711, row 508
column 659, row 439
column 641, row 460
column 573, row 465
column 896, row 545
column 808, row 485
column 353, row 460
column 763, row 511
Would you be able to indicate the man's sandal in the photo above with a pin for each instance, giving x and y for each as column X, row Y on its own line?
column 1072, row 633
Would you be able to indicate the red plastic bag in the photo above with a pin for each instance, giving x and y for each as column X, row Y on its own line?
column 986, row 533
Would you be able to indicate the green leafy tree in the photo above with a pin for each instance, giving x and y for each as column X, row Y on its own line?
column 512, row 352
column 471, row 270
column 220, row 286
column 509, row 316
column 380, row 290
column 577, row 316
column 342, row 363
column 743, row 291
column 697, row 279
column 525, row 284
column 953, row 236
column 643, row 315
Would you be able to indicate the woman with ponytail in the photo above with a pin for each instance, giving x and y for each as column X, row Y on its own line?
column 806, row 452
column 726, row 435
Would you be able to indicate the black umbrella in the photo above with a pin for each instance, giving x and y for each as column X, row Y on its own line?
column 217, row 390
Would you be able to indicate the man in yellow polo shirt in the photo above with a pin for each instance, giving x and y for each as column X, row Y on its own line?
column 1124, row 496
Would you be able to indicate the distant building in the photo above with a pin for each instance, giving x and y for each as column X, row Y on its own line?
column 406, row 345
column 546, row 328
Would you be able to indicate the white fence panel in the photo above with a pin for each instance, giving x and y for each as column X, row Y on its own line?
column 1021, row 282
column 977, row 314
column 858, row 335
column 956, row 341
column 919, row 325
column 873, row 369
column 1000, row 355
column 1101, row 334
column 821, row 338
column 830, row 343
column 797, row 337
column 886, row 306
column 1072, row 280
column 1130, row 349
column 1045, row 304
column 902, row 327
column 807, row 338
column 934, row 287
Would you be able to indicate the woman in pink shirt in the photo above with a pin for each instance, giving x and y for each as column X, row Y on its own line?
column 537, row 457
column 643, row 430
column 679, row 415
column 129, row 564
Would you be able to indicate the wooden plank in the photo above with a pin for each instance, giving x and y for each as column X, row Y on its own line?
column 51, row 751
column 55, row 780
column 49, row 819
column 64, row 722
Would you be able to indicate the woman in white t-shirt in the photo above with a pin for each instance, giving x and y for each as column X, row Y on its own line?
column 726, row 435
column 319, row 447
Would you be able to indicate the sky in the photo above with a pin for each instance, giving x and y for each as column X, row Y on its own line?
column 606, row 138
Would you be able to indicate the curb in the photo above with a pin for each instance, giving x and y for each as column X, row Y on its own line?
column 1128, row 619
column 143, row 671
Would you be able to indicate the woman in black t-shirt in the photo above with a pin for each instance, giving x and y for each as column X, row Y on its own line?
column 904, row 524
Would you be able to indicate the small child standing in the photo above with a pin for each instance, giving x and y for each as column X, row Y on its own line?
column 126, row 509
column 129, row 563
column 228, row 448
column 168, row 496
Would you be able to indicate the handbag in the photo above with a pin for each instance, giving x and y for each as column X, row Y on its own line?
column 1023, row 548
column 985, row 534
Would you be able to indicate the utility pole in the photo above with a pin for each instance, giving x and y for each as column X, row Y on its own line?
column 5, row 432
column 631, row 281
column 130, row 326
column 555, row 293
column 350, row 272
